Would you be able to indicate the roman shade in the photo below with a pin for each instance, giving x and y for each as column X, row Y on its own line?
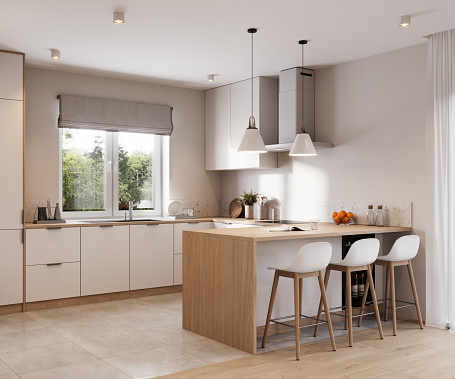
column 114, row 115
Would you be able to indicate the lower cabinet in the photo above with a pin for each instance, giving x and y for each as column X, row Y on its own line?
column 104, row 259
column 53, row 281
column 11, row 267
column 151, row 256
column 53, row 268
column 178, row 269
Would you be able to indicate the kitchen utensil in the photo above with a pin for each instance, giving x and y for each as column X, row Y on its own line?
column 235, row 208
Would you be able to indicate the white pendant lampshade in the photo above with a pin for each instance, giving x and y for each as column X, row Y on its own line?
column 302, row 146
column 252, row 141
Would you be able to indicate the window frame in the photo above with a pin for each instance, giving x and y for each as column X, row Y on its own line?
column 111, row 182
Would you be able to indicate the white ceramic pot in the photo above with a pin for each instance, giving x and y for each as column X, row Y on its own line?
column 249, row 211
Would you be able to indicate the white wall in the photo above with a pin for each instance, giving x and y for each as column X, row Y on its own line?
column 188, row 180
column 373, row 110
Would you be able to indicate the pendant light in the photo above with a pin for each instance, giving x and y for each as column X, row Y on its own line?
column 302, row 146
column 252, row 141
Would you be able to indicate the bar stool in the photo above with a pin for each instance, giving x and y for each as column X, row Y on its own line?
column 403, row 250
column 310, row 260
column 359, row 257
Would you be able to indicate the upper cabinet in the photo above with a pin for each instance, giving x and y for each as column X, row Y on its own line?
column 227, row 111
column 11, row 76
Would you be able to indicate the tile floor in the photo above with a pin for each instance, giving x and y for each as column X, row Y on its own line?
column 134, row 338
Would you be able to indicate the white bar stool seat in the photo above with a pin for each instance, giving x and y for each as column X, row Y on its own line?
column 310, row 260
column 403, row 250
column 359, row 257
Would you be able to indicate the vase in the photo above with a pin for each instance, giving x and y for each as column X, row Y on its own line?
column 249, row 211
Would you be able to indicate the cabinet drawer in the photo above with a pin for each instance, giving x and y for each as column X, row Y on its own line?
column 47, row 282
column 178, row 269
column 45, row 246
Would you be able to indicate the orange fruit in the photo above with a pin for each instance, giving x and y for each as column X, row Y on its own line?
column 334, row 214
column 350, row 215
column 342, row 214
column 346, row 220
column 337, row 220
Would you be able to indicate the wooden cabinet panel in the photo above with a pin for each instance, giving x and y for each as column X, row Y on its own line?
column 178, row 228
column 217, row 125
column 151, row 256
column 11, row 170
column 104, row 259
column 11, row 268
column 47, row 282
column 11, row 76
column 51, row 245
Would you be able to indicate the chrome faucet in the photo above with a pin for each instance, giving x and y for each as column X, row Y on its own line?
column 131, row 205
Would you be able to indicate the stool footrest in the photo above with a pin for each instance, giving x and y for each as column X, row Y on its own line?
column 318, row 321
column 397, row 301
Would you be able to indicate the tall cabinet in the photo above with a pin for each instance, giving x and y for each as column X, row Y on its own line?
column 11, row 173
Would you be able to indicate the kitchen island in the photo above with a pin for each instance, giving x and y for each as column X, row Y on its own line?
column 227, row 285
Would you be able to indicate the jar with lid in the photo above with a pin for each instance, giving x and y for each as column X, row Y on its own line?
column 379, row 216
column 370, row 216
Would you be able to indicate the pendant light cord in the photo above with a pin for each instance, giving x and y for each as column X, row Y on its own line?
column 252, row 57
column 303, row 92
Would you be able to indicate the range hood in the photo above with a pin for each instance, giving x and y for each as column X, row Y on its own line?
column 290, row 109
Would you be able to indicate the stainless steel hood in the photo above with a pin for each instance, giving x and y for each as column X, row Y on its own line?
column 290, row 108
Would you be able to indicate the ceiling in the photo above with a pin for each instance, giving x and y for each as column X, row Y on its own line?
column 179, row 42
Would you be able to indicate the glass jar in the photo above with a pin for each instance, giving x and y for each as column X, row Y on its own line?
column 370, row 216
column 379, row 216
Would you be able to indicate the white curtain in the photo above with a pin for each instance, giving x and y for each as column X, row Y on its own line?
column 440, row 236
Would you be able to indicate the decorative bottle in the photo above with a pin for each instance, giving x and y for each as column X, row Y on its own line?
column 379, row 216
column 361, row 284
column 370, row 215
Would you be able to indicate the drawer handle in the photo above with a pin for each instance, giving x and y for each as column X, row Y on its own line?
column 52, row 228
column 54, row 264
column 197, row 222
column 106, row 226
column 152, row 224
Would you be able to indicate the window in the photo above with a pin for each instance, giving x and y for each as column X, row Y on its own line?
column 100, row 172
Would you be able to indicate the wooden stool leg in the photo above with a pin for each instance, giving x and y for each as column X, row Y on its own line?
column 387, row 290
column 326, row 309
column 364, row 300
column 349, row 304
column 269, row 313
column 326, row 282
column 300, row 292
column 375, row 302
column 392, row 290
column 297, row 316
column 346, row 300
column 414, row 291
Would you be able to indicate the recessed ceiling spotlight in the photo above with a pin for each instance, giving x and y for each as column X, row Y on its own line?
column 405, row 21
column 55, row 54
column 211, row 77
column 119, row 17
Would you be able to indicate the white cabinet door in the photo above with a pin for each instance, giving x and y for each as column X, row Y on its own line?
column 11, row 76
column 104, row 259
column 53, row 281
column 11, row 267
column 151, row 256
column 11, row 169
column 178, row 269
column 52, row 245
column 217, row 125
column 179, row 227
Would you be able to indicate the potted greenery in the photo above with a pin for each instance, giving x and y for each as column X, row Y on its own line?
column 249, row 199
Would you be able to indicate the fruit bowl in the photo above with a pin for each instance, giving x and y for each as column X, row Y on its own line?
column 343, row 218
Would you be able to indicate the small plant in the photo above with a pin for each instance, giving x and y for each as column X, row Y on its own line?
column 249, row 198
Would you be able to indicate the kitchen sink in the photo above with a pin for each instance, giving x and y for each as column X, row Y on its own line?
column 122, row 220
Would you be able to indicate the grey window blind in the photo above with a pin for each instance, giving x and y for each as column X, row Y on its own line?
column 114, row 116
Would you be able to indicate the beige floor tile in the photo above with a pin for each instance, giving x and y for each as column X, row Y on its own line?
column 38, row 359
column 117, row 344
column 5, row 371
column 172, row 335
column 118, row 307
column 92, row 329
column 9, row 375
column 89, row 370
column 63, row 316
column 17, row 322
column 28, row 339
column 211, row 351
column 151, row 318
column 155, row 362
